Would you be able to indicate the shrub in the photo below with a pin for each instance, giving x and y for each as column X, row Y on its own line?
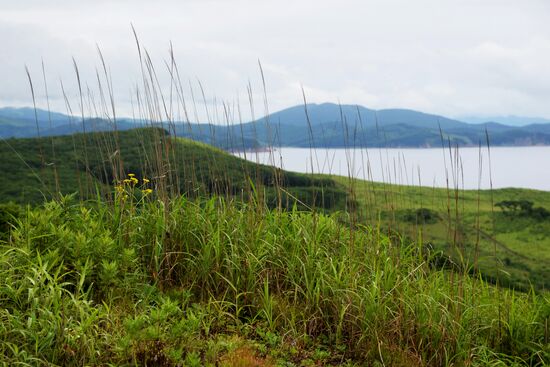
column 420, row 215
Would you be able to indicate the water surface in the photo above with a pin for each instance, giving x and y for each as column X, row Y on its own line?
column 469, row 168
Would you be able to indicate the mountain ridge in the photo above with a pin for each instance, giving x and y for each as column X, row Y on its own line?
column 320, row 125
column 510, row 120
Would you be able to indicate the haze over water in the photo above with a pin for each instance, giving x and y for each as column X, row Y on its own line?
column 524, row 167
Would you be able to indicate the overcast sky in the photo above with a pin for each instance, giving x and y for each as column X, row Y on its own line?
column 451, row 57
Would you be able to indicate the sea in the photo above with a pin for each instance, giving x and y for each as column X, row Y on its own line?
column 465, row 168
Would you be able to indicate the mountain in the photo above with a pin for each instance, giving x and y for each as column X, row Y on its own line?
column 28, row 114
column 507, row 120
column 319, row 125
column 324, row 113
column 22, row 123
column 332, row 125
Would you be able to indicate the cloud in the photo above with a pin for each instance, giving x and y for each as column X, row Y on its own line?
column 458, row 57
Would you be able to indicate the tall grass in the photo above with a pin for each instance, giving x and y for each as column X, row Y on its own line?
column 87, row 284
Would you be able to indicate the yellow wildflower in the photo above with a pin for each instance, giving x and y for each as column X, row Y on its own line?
column 147, row 191
column 134, row 180
column 145, row 181
column 127, row 181
column 131, row 174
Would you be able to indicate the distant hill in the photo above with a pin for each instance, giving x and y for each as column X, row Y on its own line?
column 507, row 120
column 332, row 125
column 28, row 114
column 320, row 125
column 320, row 114
column 22, row 123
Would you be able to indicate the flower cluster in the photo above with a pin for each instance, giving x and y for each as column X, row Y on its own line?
column 126, row 187
column 131, row 180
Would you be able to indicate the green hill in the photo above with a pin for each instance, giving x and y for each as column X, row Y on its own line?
column 39, row 168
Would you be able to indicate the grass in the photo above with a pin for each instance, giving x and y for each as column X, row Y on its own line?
column 208, row 282
column 469, row 227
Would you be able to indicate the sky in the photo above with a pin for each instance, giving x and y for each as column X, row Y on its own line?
column 450, row 57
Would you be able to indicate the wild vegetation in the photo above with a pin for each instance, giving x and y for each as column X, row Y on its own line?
column 211, row 281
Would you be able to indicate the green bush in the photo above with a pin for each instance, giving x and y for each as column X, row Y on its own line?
column 420, row 216
column 523, row 208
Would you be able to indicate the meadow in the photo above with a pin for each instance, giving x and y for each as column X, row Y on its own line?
column 469, row 227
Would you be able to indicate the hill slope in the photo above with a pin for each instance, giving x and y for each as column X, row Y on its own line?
column 38, row 168
column 468, row 226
